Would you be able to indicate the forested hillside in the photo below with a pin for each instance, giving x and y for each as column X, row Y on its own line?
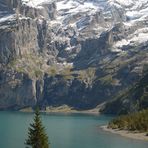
column 133, row 122
column 134, row 99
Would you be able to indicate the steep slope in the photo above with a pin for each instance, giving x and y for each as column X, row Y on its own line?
column 135, row 99
column 76, row 52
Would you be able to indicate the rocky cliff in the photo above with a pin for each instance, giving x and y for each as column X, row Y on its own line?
column 79, row 53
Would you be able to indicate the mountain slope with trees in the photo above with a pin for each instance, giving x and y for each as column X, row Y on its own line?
column 132, row 100
column 132, row 122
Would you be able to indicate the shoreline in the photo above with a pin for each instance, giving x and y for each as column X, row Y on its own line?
column 127, row 134
column 64, row 110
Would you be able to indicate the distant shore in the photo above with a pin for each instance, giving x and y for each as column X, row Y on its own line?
column 64, row 109
column 125, row 133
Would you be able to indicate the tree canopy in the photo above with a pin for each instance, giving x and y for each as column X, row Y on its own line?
column 37, row 138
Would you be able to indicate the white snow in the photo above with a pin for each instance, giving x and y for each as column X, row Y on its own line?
column 138, row 37
column 135, row 9
column 129, row 3
column 73, row 6
column 133, row 15
column 122, row 2
column 34, row 3
column 7, row 17
column 122, row 42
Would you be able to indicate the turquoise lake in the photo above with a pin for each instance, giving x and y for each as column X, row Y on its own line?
column 64, row 131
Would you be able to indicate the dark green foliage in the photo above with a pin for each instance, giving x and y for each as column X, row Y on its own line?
column 131, row 100
column 135, row 122
column 37, row 137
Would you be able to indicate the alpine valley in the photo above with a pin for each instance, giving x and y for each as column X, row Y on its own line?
column 79, row 53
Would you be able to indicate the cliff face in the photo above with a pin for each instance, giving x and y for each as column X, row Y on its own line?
column 78, row 53
column 23, row 30
column 9, row 4
column 23, row 37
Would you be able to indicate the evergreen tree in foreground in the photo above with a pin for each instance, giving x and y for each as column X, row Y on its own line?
column 37, row 137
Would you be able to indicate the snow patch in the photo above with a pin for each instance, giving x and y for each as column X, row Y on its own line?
column 9, row 17
column 35, row 3
column 125, row 3
column 122, row 43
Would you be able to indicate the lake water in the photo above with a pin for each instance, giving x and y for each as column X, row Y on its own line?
column 64, row 131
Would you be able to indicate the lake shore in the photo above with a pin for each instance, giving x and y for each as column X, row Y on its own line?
column 64, row 110
column 127, row 134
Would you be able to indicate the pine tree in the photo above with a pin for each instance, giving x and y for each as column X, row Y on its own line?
column 37, row 137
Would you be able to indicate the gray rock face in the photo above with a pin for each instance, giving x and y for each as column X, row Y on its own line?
column 17, row 90
column 9, row 4
column 78, row 53
column 19, row 38
column 74, row 92
column 48, row 11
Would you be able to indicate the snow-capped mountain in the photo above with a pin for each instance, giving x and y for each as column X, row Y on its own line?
column 63, row 51
column 95, row 16
column 89, row 18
